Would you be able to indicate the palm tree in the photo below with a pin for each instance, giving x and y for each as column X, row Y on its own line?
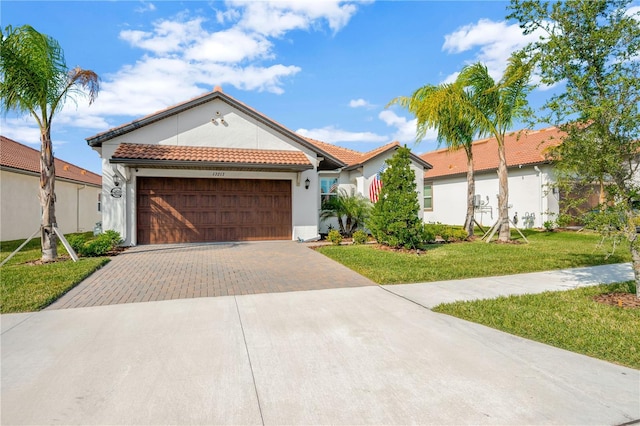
column 441, row 107
column 493, row 107
column 351, row 210
column 36, row 81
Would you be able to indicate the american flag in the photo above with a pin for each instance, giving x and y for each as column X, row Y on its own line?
column 376, row 185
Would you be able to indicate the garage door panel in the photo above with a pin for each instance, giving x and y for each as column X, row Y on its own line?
column 199, row 210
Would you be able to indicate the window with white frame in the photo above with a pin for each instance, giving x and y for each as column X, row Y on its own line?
column 428, row 196
column 328, row 188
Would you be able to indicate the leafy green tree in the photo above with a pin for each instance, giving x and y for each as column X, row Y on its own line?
column 35, row 80
column 394, row 219
column 350, row 209
column 441, row 107
column 590, row 49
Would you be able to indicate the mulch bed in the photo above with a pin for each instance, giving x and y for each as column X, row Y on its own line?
column 621, row 300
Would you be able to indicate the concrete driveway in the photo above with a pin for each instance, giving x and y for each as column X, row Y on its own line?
column 336, row 356
column 179, row 271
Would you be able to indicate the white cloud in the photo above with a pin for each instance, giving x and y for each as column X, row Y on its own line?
column 331, row 134
column 21, row 129
column 146, row 7
column 634, row 11
column 187, row 55
column 275, row 18
column 496, row 42
column 358, row 103
column 405, row 129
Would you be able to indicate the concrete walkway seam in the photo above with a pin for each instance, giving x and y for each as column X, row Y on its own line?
column 246, row 348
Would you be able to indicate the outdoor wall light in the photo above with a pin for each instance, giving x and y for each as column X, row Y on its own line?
column 116, row 180
column 307, row 183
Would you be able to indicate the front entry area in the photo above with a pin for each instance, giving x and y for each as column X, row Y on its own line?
column 190, row 210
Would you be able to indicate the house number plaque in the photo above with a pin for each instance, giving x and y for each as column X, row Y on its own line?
column 217, row 174
column 116, row 192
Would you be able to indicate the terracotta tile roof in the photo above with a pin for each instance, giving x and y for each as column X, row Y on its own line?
column 18, row 156
column 355, row 159
column 522, row 148
column 347, row 156
column 132, row 151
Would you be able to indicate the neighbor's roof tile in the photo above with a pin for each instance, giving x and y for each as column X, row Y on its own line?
column 522, row 148
column 209, row 154
column 18, row 156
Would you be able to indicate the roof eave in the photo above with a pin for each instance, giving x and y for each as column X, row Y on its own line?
column 135, row 162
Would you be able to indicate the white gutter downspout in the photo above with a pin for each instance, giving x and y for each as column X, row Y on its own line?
column 537, row 169
column 78, row 189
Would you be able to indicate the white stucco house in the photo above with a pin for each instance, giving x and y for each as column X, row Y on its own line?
column 78, row 193
column 531, row 197
column 214, row 169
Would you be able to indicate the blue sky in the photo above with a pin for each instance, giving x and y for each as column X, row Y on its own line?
column 325, row 69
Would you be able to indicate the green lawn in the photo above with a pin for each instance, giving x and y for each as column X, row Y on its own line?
column 570, row 320
column 29, row 287
column 545, row 251
column 567, row 319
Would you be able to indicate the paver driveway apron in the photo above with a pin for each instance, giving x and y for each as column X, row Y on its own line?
column 178, row 271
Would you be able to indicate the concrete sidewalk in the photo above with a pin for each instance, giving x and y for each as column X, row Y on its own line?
column 336, row 356
column 434, row 293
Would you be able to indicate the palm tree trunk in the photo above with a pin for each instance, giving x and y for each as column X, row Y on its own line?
column 471, row 191
column 47, row 198
column 503, row 194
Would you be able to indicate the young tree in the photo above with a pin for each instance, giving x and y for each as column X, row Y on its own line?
column 591, row 49
column 394, row 219
column 442, row 107
column 35, row 80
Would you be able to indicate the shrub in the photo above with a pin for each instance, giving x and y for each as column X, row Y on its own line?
column 99, row 246
column 446, row 232
column 549, row 225
column 359, row 237
column 76, row 241
column 334, row 237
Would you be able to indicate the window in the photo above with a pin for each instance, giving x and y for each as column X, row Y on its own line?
column 99, row 202
column 328, row 188
column 428, row 195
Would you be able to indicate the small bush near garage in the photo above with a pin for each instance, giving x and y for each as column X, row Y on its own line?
column 95, row 247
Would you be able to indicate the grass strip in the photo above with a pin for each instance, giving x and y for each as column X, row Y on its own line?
column 545, row 251
column 28, row 287
column 570, row 320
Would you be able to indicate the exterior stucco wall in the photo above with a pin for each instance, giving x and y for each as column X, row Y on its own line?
column 194, row 127
column 529, row 197
column 76, row 206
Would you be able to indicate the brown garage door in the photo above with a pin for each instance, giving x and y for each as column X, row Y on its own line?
column 178, row 210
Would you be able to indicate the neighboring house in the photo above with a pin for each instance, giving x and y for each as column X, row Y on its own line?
column 77, row 191
column 531, row 197
column 214, row 169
